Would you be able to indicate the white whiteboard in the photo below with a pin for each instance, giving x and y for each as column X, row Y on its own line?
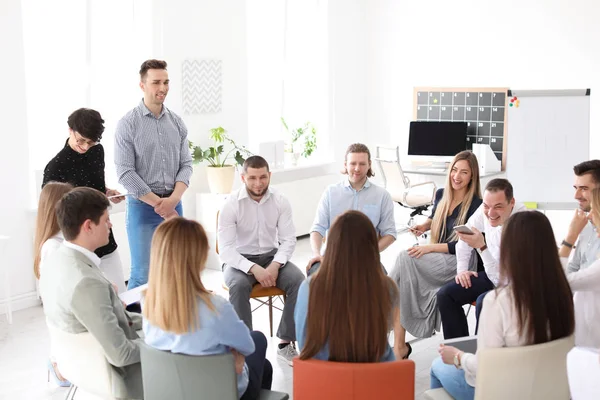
column 548, row 133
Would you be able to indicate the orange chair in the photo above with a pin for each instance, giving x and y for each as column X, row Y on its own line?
column 316, row 380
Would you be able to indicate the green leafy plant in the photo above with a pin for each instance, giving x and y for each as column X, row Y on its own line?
column 307, row 133
column 215, row 155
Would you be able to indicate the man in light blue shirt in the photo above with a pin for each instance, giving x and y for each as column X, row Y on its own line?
column 355, row 192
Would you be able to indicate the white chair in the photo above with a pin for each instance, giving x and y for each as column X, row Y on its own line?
column 537, row 372
column 584, row 370
column 81, row 360
column 418, row 197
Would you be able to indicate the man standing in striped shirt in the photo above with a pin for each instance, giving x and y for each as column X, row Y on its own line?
column 153, row 163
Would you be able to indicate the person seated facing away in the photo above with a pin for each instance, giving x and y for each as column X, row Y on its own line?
column 256, row 241
column 583, row 270
column 81, row 163
column 498, row 205
column 345, row 311
column 182, row 316
column 77, row 296
column 422, row 270
column 534, row 306
column 48, row 239
column 354, row 192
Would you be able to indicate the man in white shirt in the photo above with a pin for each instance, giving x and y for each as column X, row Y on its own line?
column 486, row 224
column 256, row 241
column 582, row 271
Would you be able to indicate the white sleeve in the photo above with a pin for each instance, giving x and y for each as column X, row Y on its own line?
column 584, row 280
column 286, row 233
column 227, row 234
column 491, row 331
column 463, row 250
column 49, row 247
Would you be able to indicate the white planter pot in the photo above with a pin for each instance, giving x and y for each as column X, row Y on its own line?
column 220, row 179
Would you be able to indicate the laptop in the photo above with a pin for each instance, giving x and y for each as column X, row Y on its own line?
column 468, row 344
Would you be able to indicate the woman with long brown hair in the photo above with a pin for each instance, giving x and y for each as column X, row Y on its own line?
column 48, row 239
column 533, row 306
column 182, row 316
column 345, row 310
column 423, row 269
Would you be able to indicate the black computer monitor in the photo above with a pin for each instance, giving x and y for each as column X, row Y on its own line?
column 437, row 138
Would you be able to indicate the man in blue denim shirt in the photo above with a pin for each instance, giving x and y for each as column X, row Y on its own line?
column 355, row 192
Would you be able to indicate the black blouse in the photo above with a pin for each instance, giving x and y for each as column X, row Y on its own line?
column 451, row 219
column 85, row 169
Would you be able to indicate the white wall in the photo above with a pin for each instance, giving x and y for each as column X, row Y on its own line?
column 14, row 161
column 205, row 30
column 520, row 44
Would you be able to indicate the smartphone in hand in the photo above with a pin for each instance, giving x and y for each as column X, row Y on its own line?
column 463, row 229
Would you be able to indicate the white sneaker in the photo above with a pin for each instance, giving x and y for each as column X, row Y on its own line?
column 287, row 354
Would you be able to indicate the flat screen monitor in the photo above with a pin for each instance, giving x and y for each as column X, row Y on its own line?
column 438, row 139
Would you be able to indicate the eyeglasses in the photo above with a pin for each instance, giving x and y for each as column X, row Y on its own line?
column 81, row 141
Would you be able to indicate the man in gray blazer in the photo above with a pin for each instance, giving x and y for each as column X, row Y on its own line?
column 77, row 296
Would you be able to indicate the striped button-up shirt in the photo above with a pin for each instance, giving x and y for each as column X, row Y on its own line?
column 151, row 153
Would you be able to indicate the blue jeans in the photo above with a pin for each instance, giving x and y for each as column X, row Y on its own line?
column 141, row 222
column 260, row 370
column 451, row 379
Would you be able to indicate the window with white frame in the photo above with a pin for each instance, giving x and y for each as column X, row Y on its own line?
column 83, row 53
column 288, row 70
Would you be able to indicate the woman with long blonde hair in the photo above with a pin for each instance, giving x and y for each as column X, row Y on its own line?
column 423, row 269
column 48, row 239
column 47, row 231
column 334, row 320
column 182, row 316
column 585, row 284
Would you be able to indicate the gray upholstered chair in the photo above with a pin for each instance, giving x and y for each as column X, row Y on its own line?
column 181, row 377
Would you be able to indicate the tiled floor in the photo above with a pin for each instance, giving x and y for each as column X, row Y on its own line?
column 24, row 345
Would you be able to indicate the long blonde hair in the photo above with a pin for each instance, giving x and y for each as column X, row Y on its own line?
column 438, row 225
column 178, row 255
column 46, row 224
column 596, row 205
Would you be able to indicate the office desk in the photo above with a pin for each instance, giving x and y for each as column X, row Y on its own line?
column 440, row 172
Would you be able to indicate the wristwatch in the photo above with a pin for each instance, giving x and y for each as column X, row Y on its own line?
column 565, row 243
column 457, row 360
column 482, row 248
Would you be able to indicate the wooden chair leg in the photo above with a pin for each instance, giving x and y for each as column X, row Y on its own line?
column 271, row 314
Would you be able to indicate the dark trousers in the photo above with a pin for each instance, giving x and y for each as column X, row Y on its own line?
column 240, row 286
column 260, row 370
column 478, row 307
column 313, row 268
column 450, row 299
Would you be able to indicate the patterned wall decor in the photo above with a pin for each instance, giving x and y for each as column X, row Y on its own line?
column 202, row 86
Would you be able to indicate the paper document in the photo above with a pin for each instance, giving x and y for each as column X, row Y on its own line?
column 133, row 295
column 119, row 195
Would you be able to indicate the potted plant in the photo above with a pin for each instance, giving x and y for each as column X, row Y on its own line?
column 220, row 174
column 302, row 141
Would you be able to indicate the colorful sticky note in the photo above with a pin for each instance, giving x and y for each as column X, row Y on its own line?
column 530, row 205
column 434, row 101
